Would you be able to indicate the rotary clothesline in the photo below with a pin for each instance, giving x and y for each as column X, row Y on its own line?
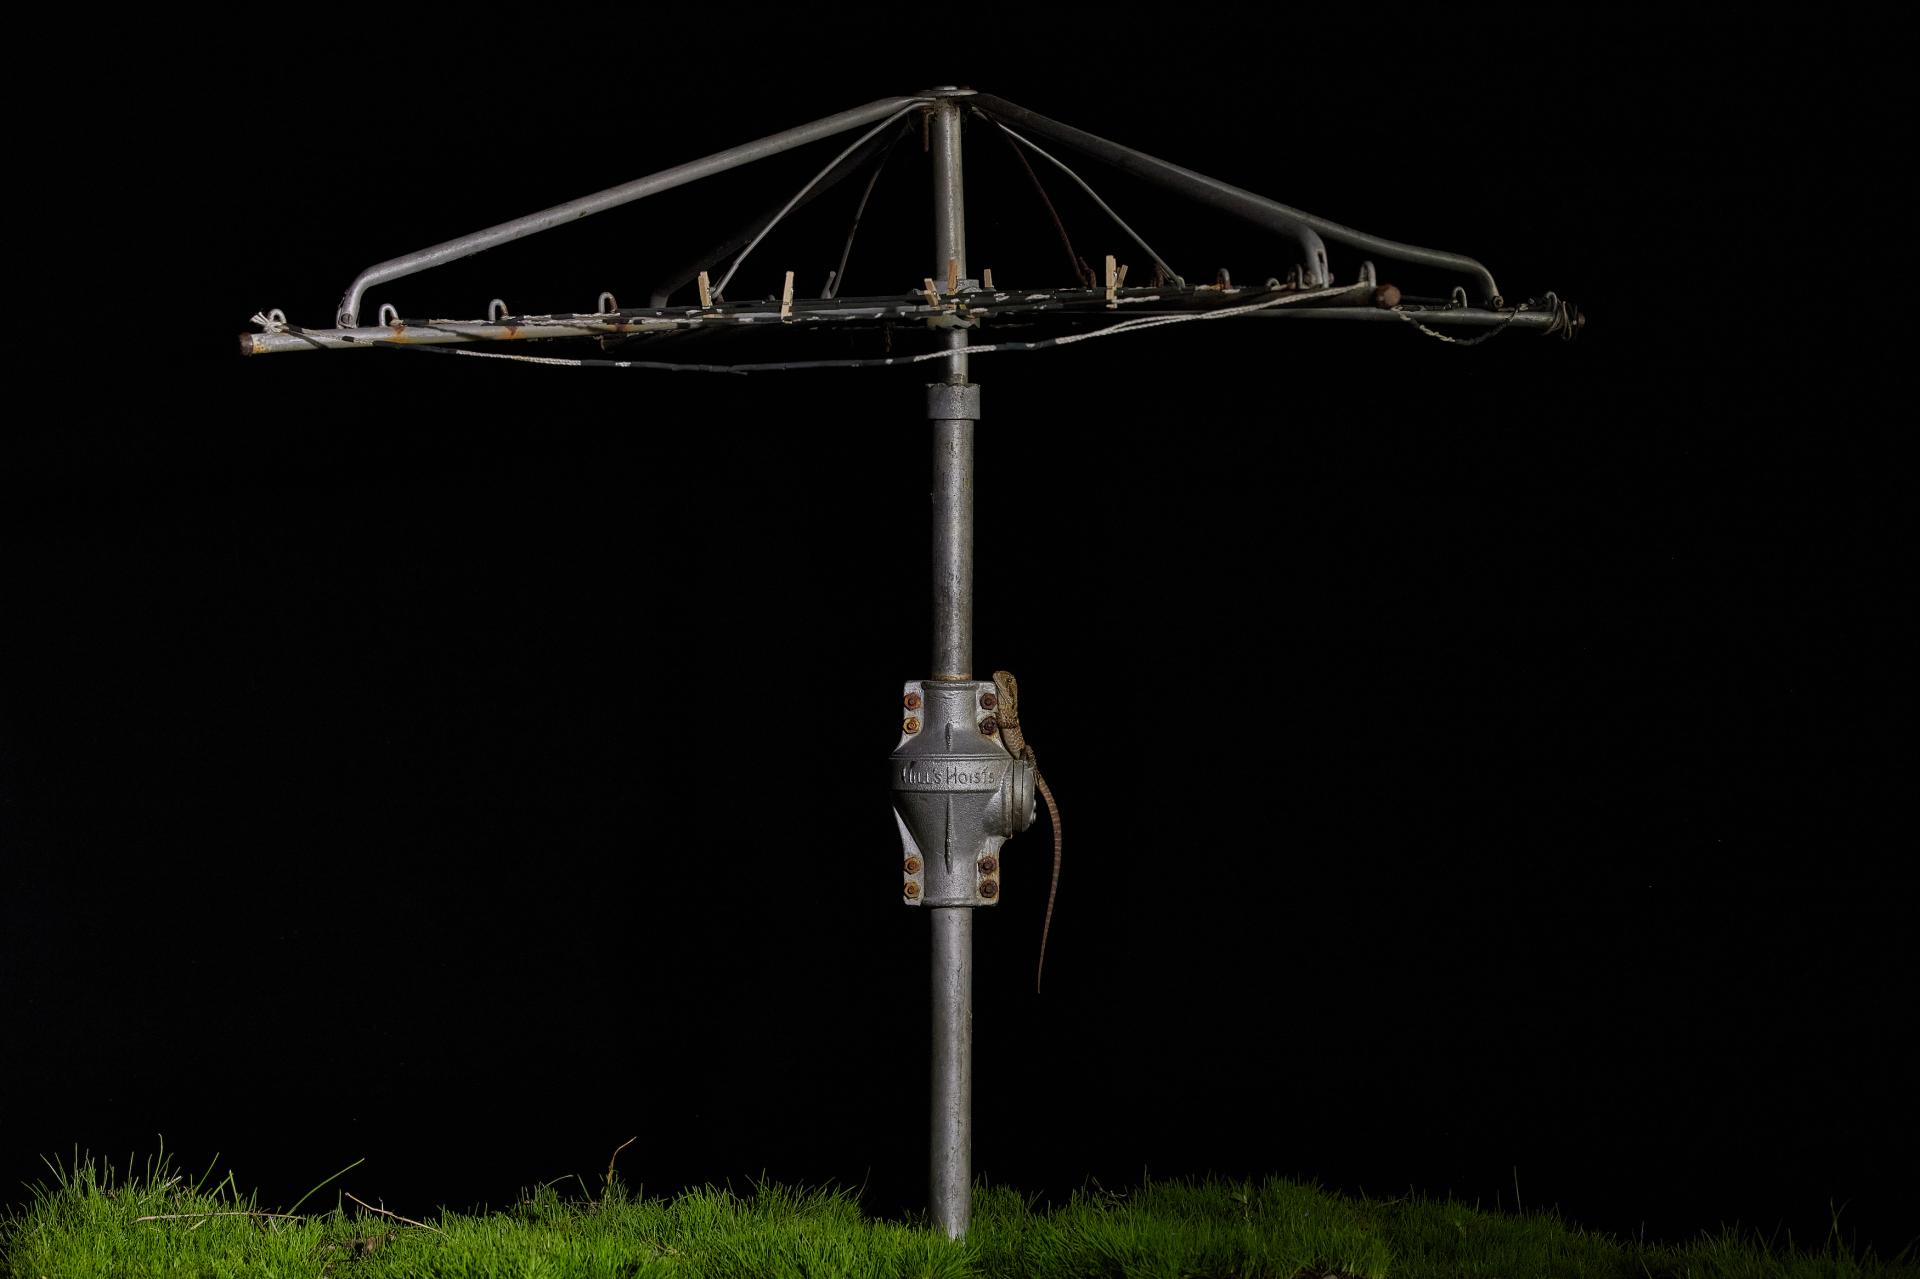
column 963, row 302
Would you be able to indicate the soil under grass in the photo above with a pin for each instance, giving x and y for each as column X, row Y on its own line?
column 89, row 1222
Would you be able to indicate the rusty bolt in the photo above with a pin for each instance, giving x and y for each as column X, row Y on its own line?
column 911, row 701
column 989, row 726
column 1386, row 297
column 989, row 888
column 912, row 725
column 912, row 865
column 988, row 701
column 910, row 889
column 989, row 864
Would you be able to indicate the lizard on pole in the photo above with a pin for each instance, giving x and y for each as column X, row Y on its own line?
column 1007, row 716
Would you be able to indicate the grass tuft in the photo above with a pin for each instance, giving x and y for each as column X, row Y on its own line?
column 90, row 1221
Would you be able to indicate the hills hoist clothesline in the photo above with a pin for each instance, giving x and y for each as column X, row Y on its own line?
column 964, row 778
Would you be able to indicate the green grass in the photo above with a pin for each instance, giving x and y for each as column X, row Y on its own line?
column 88, row 1222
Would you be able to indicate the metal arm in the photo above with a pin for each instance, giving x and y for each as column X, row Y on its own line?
column 1105, row 208
column 690, row 268
column 1257, row 209
column 801, row 195
column 613, row 197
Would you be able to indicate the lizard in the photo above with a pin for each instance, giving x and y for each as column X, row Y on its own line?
column 1016, row 740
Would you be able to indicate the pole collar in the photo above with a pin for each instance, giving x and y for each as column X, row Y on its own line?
column 949, row 403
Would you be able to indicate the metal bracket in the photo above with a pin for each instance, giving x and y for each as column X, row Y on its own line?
column 957, row 795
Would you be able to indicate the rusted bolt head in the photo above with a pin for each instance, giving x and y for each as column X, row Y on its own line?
column 912, row 725
column 989, row 888
column 988, row 701
column 989, row 726
column 910, row 890
column 911, row 865
column 989, row 864
column 911, row 701
column 1386, row 297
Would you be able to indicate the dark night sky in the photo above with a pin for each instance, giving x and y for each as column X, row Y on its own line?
column 1476, row 759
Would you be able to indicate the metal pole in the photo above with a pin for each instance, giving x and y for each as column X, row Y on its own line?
column 951, row 1158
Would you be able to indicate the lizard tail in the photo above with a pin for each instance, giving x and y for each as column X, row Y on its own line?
column 1053, row 820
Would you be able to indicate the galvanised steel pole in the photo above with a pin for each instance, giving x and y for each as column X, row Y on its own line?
column 951, row 1160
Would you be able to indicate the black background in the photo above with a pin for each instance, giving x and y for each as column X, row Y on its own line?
column 1481, row 763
